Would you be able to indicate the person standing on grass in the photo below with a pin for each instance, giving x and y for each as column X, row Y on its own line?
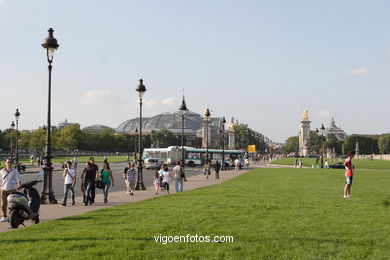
column 70, row 181
column 107, row 179
column 9, row 182
column 156, row 181
column 177, row 175
column 130, row 175
column 348, row 174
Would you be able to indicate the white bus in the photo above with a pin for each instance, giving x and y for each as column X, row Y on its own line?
column 193, row 156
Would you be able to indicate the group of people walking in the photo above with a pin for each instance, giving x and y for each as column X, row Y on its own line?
column 163, row 178
column 91, row 179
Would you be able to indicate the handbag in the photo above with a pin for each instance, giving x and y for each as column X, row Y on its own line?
column 99, row 184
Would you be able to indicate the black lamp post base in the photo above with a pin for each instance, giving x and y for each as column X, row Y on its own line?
column 140, row 186
column 48, row 198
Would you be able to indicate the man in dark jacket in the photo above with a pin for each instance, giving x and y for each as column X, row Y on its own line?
column 217, row 167
column 89, row 176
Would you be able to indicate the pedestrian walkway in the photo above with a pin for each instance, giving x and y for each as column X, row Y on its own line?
column 57, row 211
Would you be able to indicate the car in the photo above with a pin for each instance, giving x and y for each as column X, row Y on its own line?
column 153, row 163
column 338, row 165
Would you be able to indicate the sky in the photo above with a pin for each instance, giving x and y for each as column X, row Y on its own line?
column 262, row 62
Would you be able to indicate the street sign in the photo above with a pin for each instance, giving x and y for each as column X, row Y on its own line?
column 251, row 148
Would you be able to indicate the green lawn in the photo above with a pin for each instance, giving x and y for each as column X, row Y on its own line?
column 359, row 163
column 271, row 213
column 84, row 159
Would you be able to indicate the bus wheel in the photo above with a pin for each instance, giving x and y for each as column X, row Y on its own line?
column 191, row 164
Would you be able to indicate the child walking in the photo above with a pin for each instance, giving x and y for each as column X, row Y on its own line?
column 156, row 181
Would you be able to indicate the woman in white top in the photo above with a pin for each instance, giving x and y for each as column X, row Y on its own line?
column 70, row 181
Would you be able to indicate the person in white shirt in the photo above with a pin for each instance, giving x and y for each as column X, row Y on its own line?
column 75, row 162
column 236, row 164
column 9, row 182
column 177, row 174
column 166, row 179
column 70, row 181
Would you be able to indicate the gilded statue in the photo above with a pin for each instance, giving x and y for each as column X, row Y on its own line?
column 231, row 125
column 305, row 115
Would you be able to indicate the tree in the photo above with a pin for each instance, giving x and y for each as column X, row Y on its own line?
column 69, row 138
column 38, row 139
column 333, row 142
column 384, row 143
column 163, row 138
column 106, row 141
column 292, row 145
column 367, row 145
column 24, row 142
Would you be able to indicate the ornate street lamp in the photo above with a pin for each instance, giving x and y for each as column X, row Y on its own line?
column 135, row 143
column 207, row 116
column 11, row 144
column 322, row 145
column 47, row 197
column 183, row 108
column 141, row 91
column 17, row 115
column 223, row 143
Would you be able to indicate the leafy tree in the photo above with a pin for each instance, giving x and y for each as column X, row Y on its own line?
column 121, row 143
column 384, row 143
column 292, row 145
column 38, row 140
column 25, row 137
column 2, row 141
column 69, row 138
column 106, row 141
column 367, row 145
column 163, row 138
column 333, row 142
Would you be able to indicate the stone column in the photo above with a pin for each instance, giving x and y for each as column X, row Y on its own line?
column 206, row 129
column 304, row 138
column 231, row 143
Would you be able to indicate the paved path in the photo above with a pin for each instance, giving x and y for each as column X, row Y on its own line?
column 50, row 212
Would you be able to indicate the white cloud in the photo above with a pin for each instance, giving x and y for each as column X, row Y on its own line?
column 94, row 97
column 169, row 101
column 151, row 106
column 323, row 113
column 358, row 71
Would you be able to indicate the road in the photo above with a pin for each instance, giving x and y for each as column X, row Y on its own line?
column 117, row 169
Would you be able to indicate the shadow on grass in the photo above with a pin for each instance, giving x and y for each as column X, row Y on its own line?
column 71, row 239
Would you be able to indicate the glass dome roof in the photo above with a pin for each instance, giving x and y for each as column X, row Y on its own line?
column 169, row 121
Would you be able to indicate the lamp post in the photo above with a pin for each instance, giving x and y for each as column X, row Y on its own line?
column 322, row 145
column 47, row 197
column 317, row 149
column 17, row 115
column 223, row 143
column 135, row 143
column 183, row 108
column 141, row 91
column 207, row 116
column 11, row 144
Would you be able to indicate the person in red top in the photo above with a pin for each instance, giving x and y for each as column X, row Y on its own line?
column 348, row 174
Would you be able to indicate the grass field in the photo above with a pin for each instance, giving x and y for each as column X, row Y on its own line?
column 271, row 213
column 359, row 163
column 84, row 159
